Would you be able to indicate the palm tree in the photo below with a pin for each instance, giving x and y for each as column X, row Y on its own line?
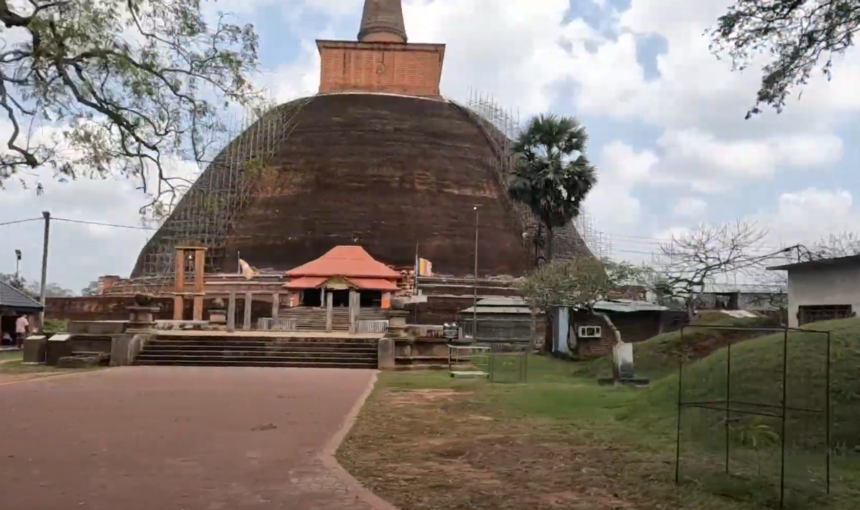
column 552, row 175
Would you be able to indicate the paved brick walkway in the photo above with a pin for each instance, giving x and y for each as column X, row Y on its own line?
column 143, row 438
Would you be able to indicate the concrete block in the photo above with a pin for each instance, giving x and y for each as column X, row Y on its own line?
column 125, row 348
column 35, row 348
column 385, row 353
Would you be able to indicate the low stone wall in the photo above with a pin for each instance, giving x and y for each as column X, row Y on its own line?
column 99, row 308
column 115, row 308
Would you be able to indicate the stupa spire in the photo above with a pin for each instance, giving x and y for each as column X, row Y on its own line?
column 382, row 21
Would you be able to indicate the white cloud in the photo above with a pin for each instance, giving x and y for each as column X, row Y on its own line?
column 690, row 207
column 707, row 164
column 622, row 168
column 811, row 214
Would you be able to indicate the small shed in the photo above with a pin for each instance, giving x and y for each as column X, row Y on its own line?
column 499, row 319
column 14, row 303
column 582, row 335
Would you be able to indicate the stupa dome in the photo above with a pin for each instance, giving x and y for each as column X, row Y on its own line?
column 378, row 160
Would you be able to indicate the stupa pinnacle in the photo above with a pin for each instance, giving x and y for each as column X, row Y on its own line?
column 382, row 21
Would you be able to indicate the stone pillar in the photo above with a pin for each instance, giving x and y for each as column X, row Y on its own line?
column 231, row 312
column 142, row 318
column 385, row 354
column 329, row 311
column 249, row 304
column 323, row 296
column 354, row 303
column 276, row 304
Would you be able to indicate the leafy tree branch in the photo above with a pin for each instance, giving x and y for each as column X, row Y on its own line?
column 118, row 87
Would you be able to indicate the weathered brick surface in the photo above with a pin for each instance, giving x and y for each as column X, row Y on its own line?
column 413, row 69
column 389, row 173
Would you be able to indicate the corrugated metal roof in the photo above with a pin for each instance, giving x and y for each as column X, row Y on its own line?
column 502, row 301
column 14, row 299
column 742, row 288
column 628, row 305
column 514, row 310
column 618, row 305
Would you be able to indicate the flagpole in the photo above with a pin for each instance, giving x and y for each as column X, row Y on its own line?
column 417, row 268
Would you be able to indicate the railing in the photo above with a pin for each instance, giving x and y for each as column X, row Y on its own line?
column 371, row 326
column 270, row 324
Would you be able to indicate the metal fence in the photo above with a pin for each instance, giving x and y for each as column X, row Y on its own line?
column 374, row 326
column 755, row 416
column 270, row 324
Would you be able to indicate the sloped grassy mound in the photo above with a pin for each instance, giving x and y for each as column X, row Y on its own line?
column 756, row 377
column 658, row 356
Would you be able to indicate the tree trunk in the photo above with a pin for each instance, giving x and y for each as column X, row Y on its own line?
column 550, row 313
column 533, row 330
column 550, row 235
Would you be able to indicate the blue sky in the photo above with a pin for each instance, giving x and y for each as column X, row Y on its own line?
column 666, row 120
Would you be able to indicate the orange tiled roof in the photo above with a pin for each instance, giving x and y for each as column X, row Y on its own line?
column 305, row 283
column 346, row 261
column 373, row 283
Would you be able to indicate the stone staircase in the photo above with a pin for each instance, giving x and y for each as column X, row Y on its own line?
column 250, row 351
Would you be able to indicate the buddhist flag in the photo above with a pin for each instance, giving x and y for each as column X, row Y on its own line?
column 425, row 267
column 247, row 271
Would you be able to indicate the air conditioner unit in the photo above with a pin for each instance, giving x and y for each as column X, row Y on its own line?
column 588, row 332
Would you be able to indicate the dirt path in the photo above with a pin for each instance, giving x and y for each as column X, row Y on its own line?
column 177, row 438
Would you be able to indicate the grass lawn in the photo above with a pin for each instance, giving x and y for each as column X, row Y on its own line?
column 426, row 441
column 11, row 355
column 12, row 368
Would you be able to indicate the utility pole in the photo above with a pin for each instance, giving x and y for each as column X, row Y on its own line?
column 17, row 265
column 47, row 216
column 475, row 288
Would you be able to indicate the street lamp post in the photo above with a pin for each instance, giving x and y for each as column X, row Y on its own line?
column 475, row 287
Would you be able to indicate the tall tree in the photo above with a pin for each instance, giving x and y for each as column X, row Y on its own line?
column 799, row 35
column 94, row 88
column 579, row 282
column 699, row 257
column 552, row 175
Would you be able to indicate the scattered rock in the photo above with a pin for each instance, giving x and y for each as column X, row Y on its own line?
column 262, row 428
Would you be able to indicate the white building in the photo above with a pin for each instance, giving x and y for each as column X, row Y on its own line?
column 822, row 289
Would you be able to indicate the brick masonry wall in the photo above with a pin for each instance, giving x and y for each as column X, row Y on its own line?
column 588, row 348
column 413, row 69
column 387, row 173
column 115, row 308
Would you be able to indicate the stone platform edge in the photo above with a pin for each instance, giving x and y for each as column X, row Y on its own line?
column 329, row 459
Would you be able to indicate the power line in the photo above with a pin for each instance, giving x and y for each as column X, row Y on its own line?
column 19, row 221
column 114, row 225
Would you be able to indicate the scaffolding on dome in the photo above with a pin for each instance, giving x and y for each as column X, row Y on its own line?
column 502, row 127
column 207, row 212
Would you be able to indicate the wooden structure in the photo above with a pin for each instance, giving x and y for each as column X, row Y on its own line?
column 197, row 255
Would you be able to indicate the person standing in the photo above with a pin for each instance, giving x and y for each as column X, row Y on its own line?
column 22, row 327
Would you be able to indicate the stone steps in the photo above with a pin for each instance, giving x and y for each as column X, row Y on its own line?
column 259, row 352
column 214, row 362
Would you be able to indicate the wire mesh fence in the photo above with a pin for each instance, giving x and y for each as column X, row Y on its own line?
column 754, row 419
